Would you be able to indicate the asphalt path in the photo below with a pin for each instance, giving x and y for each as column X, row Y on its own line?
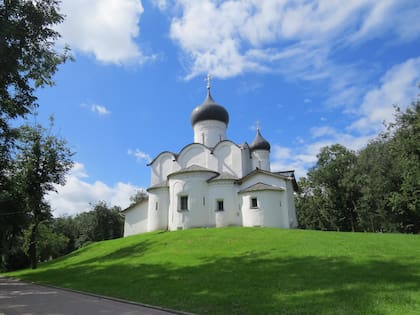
column 18, row 297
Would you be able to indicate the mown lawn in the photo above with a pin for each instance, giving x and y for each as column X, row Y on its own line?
column 249, row 271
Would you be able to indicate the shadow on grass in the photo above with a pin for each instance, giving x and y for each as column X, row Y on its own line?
column 251, row 284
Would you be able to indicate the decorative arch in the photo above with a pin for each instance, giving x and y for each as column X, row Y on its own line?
column 194, row 154
column 228, row 154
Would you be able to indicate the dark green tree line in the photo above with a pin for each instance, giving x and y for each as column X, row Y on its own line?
column 376, row 189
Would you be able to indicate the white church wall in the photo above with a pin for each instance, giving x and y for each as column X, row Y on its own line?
column 271, row 210
column 261, row 159
column 162, row 167
column 229, row 158
column 209, row 132
column 192, row 185
column 158, row 209
column 251, row 216
column 194, row 154
column 135, row 221
column 224, row 191
column 274, row 206
column 246, row 161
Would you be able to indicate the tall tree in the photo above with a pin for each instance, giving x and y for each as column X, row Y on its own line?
column 330, row 193
column 333, row 174
column 28, row 60
column 42, row 162
column 404, row 144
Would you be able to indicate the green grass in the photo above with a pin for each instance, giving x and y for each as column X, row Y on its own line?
column 249, row 271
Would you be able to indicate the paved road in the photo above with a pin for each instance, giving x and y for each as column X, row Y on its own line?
column 17, row 297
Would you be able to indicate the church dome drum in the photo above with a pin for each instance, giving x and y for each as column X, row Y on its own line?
column 209, row 110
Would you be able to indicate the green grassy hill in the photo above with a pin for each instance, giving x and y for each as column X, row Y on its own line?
column 249, row 271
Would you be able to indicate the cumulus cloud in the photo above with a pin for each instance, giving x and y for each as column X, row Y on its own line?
column 106, row 29
column 77, row 195
column 397, row 87
column 230, row 37
column 140, row 155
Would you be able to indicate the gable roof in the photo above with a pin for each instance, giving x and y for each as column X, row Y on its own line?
column 261, row 186
column 223, row 176
column 288, row 175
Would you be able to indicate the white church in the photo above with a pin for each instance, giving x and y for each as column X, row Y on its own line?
column 214, row 182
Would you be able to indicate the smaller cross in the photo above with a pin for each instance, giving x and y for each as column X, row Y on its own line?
column 257, row 124
column 208, row 79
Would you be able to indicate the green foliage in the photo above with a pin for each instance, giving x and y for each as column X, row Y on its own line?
column 329, row 191
column 41, row 163
column 29, row 59
column 101, row 223
column 377, row 189
column 249, row 271
column 49, row 245
column 404, row 140
column 375, row 177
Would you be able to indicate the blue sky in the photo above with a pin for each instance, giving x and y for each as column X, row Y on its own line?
column 313, row 73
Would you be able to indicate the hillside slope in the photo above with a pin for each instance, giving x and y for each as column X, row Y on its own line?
column 249, row 271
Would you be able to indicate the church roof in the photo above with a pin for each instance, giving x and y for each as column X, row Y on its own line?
column 193, row 169
column 261, row 186
column 288, row 175
column 259, row 142
column 223, row 176
column 209, row 110
column 159, row 185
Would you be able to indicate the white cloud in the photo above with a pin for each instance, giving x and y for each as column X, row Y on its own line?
column 304, row 155
column 77, row 195
column 105, row 28
column 99, row 109
column 227, row 38
column 140, row 155
column 397, row 87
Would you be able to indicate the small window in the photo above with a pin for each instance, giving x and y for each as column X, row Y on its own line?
column 157, row 206
column 220, row 206
column 183, row 203
column 254, row 202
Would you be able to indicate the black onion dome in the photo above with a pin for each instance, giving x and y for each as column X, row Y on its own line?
column 260, row 143
column 209, row 110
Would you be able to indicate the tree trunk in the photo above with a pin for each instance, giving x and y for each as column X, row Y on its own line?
column 32, row 246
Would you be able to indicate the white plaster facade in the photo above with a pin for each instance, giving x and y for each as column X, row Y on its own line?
column 214, row 182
